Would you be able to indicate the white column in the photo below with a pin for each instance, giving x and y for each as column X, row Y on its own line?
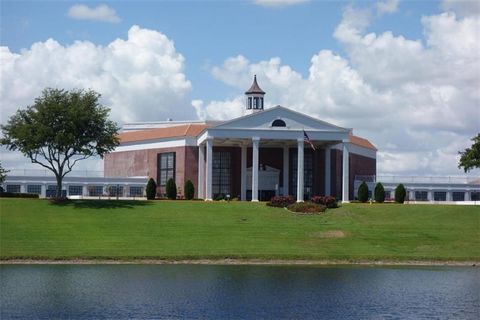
column 255, row 144
column 430, row 195
column 201, row 172
column 449, row 196
column 467, row 196
column 43, row 191
column 392, row 194
column 328, row 171
column 84, row 190
column 208, row 184
column 345, row 173
column 23, row 188
column 286, row 151
column 243, row 174
column 412, row 195
column 300, row 149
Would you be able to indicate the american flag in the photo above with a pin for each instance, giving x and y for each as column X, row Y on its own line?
column 307, row 140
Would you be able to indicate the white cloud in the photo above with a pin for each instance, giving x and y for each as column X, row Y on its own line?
column 462, row 8
column 100, row 13
column 418, row 102
column 140, row 78
column 387, row 6
column 278, row 3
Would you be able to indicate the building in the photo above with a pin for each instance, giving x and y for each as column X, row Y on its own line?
column 276, row 151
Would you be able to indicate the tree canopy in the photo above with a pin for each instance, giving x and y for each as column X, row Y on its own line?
column 61, row 128
column 470, row 158
column 3, row 173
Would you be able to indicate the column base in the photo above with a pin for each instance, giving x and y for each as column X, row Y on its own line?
column 300, row 200
column 254, row 200
column 346, row 201
column 208, row 200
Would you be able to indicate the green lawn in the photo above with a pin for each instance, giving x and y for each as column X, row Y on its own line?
column 190, row 230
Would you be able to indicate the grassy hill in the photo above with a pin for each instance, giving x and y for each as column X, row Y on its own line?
column 195, row 229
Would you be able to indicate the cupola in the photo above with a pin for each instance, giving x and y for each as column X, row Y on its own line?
column 254, row 97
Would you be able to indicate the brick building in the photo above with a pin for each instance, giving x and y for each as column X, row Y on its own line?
column 252, row 157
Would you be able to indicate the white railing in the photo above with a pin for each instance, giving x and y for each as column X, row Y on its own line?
column 48, row 173
column 419, row 179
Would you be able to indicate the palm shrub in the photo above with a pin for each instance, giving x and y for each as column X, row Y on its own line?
column 400, row 193
column 171, row 189
column 151, row 189
column 189, row 190
column 363, row 192
column 379, row 193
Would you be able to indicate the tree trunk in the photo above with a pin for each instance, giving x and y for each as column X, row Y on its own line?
column 59, row 186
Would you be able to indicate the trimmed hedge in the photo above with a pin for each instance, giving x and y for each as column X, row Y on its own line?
column 151, row 189
column 328, row 201
column 363, row 192
column 281, row 201
column 379, row 193
column 18, row 195
column 306, row 207
column 189, row 190
column 171, row 189
column 400, row 193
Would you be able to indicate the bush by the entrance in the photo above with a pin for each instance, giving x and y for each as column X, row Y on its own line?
column 363, row 192
column 328, row 201
column 151, row 189
column 281, row 201
column 189, row 190
column 400, row 193
column 18, row 195
column 306, row 207
column 379, row 193
column 171, row 189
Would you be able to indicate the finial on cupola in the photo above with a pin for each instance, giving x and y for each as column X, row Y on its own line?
column 254, row 99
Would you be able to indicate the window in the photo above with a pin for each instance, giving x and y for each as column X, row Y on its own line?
column 221, row 173
column 34, row 188
column 94, row 191
column 256, row 103
column 440, row 196
column 114, row 191
column 279, row 123
column 261, row 103
column 249, row 104
column 165, row 167
column 136, row 191
column 475, row 196
column 75, row 190
column 307, row 174
column 14, row 188
column 458, row 196
column 421, row 195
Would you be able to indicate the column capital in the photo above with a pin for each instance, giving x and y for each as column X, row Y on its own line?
column 346, row 140
column 300, row 140
column 209, row 138
column 255, row 138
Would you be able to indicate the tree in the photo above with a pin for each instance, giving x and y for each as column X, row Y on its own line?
column 379, row 193
column 61, row 128
column 189, row 190
column 3, row 173
column 363, row 192
column 470, row 158
column 171, row 189
column 151, row 189
column 400, row 193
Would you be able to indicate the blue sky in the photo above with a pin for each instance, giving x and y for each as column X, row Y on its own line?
column 207, row 32
column 403, row 74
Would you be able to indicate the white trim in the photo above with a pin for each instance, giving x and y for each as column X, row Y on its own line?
column 158, row 144
column 358, row 150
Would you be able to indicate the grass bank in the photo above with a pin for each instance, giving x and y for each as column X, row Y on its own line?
column 183, row 230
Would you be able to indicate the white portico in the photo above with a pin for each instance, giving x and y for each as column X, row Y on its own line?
column 277, row 127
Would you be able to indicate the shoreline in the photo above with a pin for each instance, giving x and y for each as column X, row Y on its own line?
column 253, row 262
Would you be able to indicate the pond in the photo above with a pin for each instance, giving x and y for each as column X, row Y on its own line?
column 239, row 292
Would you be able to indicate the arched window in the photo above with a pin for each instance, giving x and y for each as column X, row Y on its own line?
column 279, row 123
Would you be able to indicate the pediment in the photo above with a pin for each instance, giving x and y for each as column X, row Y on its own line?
column 293, row 121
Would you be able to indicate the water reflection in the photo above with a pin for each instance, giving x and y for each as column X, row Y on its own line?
column 221, row 292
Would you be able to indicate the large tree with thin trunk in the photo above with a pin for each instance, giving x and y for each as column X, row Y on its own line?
column 61, row 128
column 470, row 158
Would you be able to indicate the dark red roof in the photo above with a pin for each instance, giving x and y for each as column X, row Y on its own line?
column 255, row 88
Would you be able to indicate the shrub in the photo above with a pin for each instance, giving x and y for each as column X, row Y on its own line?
column 363, row 192
column 400, row 193
column 379, row 193
column 306, row 207
column 18, row 195
column 59, row 200
column 151, row 189
column 189, row 190
column 171, row 189
column 219, row 197
column 328, row 201
column 281, row 201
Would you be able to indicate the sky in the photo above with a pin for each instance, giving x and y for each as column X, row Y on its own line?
column 403, row 74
